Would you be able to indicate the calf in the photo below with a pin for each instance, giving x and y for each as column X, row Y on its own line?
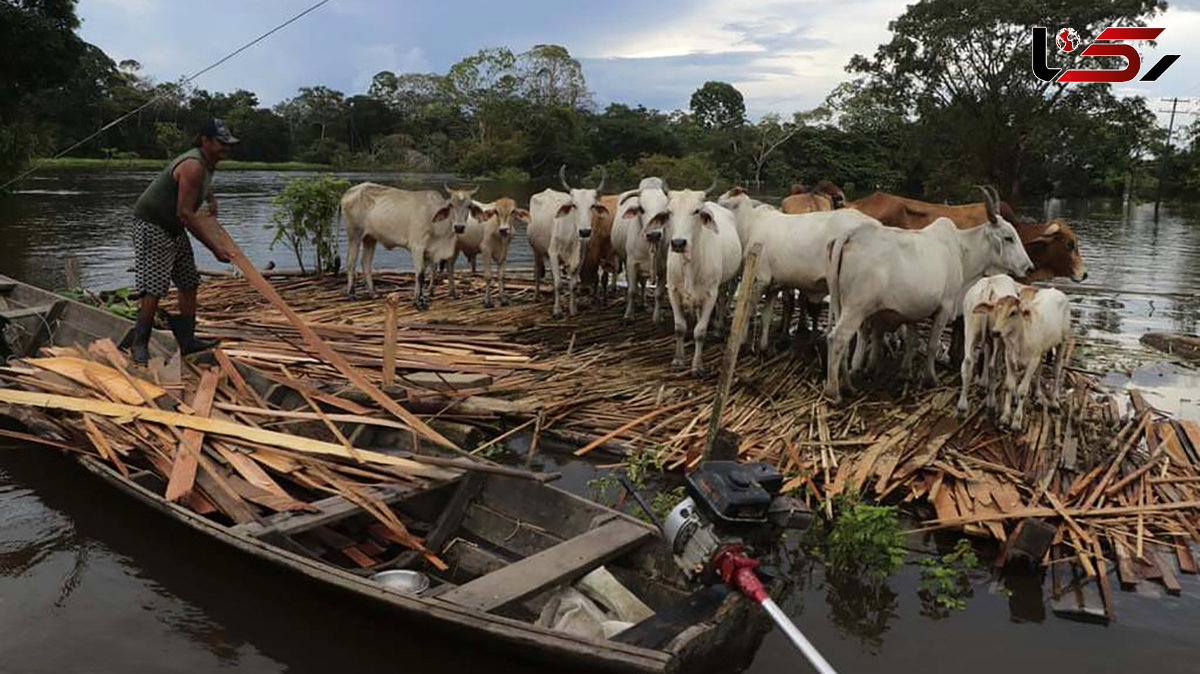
column 637, row 239
column 560, row 225
column 600, row 259
column 901, row 276
column 422, row 221
column 976, row 312
column 1031, row 324
column 705, row 256
column 500, row 219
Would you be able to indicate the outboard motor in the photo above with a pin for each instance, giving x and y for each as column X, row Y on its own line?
column 730, row 503
column 732, row 508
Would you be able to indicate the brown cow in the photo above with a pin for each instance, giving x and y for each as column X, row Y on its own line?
column 1052, row 246
column 600, row 261
column 805, row 202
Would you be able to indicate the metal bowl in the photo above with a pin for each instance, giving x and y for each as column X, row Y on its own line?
column 407, row 582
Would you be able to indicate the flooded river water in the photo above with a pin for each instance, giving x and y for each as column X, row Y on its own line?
column 92, row 582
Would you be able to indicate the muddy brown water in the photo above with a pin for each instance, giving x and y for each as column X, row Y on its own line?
column 91, row 581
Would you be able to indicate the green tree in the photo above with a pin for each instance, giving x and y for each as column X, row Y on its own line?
column 170, row 138
column 305, row 214
column 962, row 68
column 550, row 76
column 41, row 52
column 718, row 105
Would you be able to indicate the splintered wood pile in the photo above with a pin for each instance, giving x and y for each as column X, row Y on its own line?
column 1119, row 484
column 214, row 460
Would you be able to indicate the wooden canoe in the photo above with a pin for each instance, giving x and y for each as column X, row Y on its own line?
column 510, row 543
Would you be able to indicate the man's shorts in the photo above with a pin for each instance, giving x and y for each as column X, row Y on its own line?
column 160, row 258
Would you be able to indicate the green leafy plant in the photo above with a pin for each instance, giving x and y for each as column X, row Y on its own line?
column 945, row 582
column 119, row 301
column 865, row 540
column 305, row 216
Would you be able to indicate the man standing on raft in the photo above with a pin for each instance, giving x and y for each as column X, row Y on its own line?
column 169, row 209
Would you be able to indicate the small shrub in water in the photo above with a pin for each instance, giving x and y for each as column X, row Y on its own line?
column 945, row 582
column 865, row 540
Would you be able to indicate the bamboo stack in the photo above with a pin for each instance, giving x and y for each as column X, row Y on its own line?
column 1114, row 479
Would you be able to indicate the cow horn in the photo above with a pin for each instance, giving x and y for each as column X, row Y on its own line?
column 562, row 175
column 995, row 196
column 603, row 177
column 446, row 186
column 473, row 191
column 711, row 187
column 989, row 203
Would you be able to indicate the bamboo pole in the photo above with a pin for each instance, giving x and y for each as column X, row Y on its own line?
column 327, row 354
column 389, row 341
column 747, row 297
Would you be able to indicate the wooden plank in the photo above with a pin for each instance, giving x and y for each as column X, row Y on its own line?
column 1169, row 579
column 329, row 510
column 1125, row 573
column 1187, row 561
column 217, row 426
column 187, row 456
column 450, row 518
column 564, row 562
column 96, row 375
column 748, row 294
column 327, row 354
column 239, row 382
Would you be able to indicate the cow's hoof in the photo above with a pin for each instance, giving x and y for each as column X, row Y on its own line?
column 352, row 295
column 699, row 372
column 504, row 301
column 962, row 410
column 677, row 363
column 558, row 315
column 627, row 320
column 453, row 294
column 833, row 395
column 487, row 304
column 372, row 294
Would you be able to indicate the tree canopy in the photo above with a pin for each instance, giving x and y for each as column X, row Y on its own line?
column 947, row 102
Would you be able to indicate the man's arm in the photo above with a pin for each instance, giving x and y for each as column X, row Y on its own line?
column 190, row 175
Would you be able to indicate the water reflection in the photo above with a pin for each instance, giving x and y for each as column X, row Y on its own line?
column 861, row 607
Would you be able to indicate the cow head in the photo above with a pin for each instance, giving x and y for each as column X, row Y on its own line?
column 501, row 217
column 648, row 203
column 1005, row 248
column 831, row 190
column 735, row 198
column 689, row 216
column 1008, row 315
column 584, row 208
column 458, row 207
column 1054, row 249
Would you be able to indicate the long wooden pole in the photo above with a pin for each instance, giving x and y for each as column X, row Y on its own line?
column 741, row 318
column 389, row 341
column 327, row 354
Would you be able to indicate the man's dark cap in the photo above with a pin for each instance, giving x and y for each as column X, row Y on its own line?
column 215, row 128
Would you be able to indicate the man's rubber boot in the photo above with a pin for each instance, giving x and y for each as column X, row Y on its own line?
column 139, row 350
column 184, row 328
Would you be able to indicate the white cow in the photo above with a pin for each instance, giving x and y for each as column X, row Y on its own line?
column 794, row 247
column 903, row 276
column 559, row 227
column 976, row 311
column 1031, row 324
column 705, row 256
column 637, row 238
column 421, row 221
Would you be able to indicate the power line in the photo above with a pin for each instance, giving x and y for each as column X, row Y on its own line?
column 184, row 81
column 1163, row 160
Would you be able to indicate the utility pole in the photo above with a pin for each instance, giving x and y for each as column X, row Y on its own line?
column 1166, row 155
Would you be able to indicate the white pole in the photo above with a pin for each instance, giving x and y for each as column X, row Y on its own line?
column 789, row 628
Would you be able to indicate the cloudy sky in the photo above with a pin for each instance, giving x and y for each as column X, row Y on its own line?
column 783, row 56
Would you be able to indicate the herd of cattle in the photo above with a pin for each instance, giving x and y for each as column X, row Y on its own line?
column 885, row 262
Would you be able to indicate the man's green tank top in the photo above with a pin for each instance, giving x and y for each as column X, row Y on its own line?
column 158, row 203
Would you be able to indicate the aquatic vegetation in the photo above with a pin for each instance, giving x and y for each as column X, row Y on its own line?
column 945, row 581
column 865, row 540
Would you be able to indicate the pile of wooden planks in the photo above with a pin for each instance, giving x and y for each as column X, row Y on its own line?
column 208, row 442
column 1110, row 478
